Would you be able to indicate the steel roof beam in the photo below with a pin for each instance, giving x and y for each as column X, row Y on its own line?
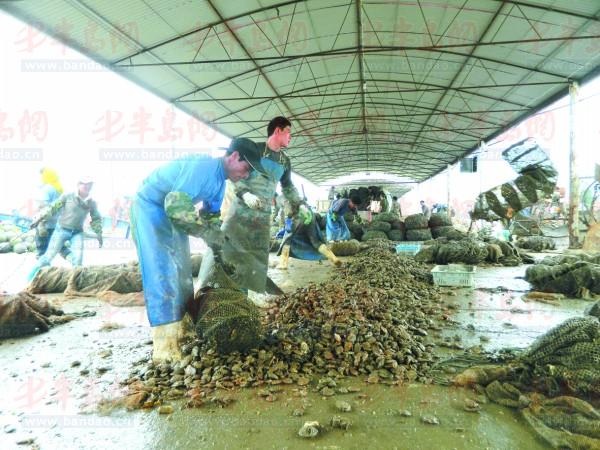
column 459, row 71
column 551, row 8
column 349, row 51
column 207, row 27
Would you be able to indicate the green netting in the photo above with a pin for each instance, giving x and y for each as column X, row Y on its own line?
column 571, row 331
column 419, row 235
column 385, row 217
column 439, row 220
column 578, row 279
column 379, row 226
column 566, row 358
column 466, row 251
column 416, row 222
column 230, row 319
column 345, row 248
column 225, row 315
column 370, row 235
column 395, row 235
column 536, row 243
column 442, row 231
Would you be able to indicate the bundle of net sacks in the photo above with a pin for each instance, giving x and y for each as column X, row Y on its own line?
column 386, row 226
column 119, row 284
column 572, row 275
column 550, row 383
column 463, row 248
column 536, row 243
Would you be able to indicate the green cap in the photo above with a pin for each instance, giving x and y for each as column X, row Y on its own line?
column 249, row 151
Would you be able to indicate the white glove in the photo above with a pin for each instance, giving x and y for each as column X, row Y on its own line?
column 252, row 201
column 304, row 208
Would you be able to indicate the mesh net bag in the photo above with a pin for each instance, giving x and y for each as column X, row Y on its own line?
column 416, row 222
column 528, row 187
column 466, row 251
column 370, row 235
column 228, row 318
column 395, row 235
column 569, row 332
column 439, row 220
column 441, row 231
column 578, row 279
column 398, row 225
column 356, row 230
column 536, row 243
column 345, row 248
column 225, row 315
column 419, row 235
column 380, row 226
column 385, row 217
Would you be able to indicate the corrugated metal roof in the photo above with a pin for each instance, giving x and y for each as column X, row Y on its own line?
column 402, row 87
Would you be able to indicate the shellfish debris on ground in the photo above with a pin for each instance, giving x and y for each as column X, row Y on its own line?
column 341, row 423
column 370, row 320
column 429, row 419
column 343, row 406
column 309, row 430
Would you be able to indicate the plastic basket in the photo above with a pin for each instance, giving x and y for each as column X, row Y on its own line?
column 408, row 248
column 459, row 275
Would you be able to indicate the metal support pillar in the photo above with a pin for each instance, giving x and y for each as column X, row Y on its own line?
column 573, row 178
column 448, row 191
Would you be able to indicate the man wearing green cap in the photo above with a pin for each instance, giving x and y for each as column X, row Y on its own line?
column 163, row 215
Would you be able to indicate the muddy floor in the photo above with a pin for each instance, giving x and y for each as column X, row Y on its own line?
column 58, row 386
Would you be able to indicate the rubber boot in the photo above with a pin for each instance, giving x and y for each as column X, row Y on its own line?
column 324, row 250
column 284, row 258
column 165, row 342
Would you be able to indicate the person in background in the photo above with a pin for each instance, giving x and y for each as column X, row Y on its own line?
column 50, row 191
column 305, row 240
column 331, row 194
column 396, row 207
column 425, row 210
column 73, row 209
column 336, row 228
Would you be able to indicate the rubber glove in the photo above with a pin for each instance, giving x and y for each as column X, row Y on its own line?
column 252, row 201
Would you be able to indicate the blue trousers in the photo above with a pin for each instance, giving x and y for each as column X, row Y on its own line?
column 57, row 242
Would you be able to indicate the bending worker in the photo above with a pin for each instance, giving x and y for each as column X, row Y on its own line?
column 306, row 241
column 73, row 209
column 163, row 217
column 337, row 230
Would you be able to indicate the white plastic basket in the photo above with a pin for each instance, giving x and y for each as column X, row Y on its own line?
column 408, row 248
column 459, row 275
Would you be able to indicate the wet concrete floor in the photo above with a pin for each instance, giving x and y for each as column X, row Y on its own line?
column 55, row 384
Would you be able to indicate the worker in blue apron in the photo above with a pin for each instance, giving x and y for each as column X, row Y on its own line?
column 305, row 241
column 163, row 215
column 337, row 229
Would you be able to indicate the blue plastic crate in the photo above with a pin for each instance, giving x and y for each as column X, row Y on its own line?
column 408, row 248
